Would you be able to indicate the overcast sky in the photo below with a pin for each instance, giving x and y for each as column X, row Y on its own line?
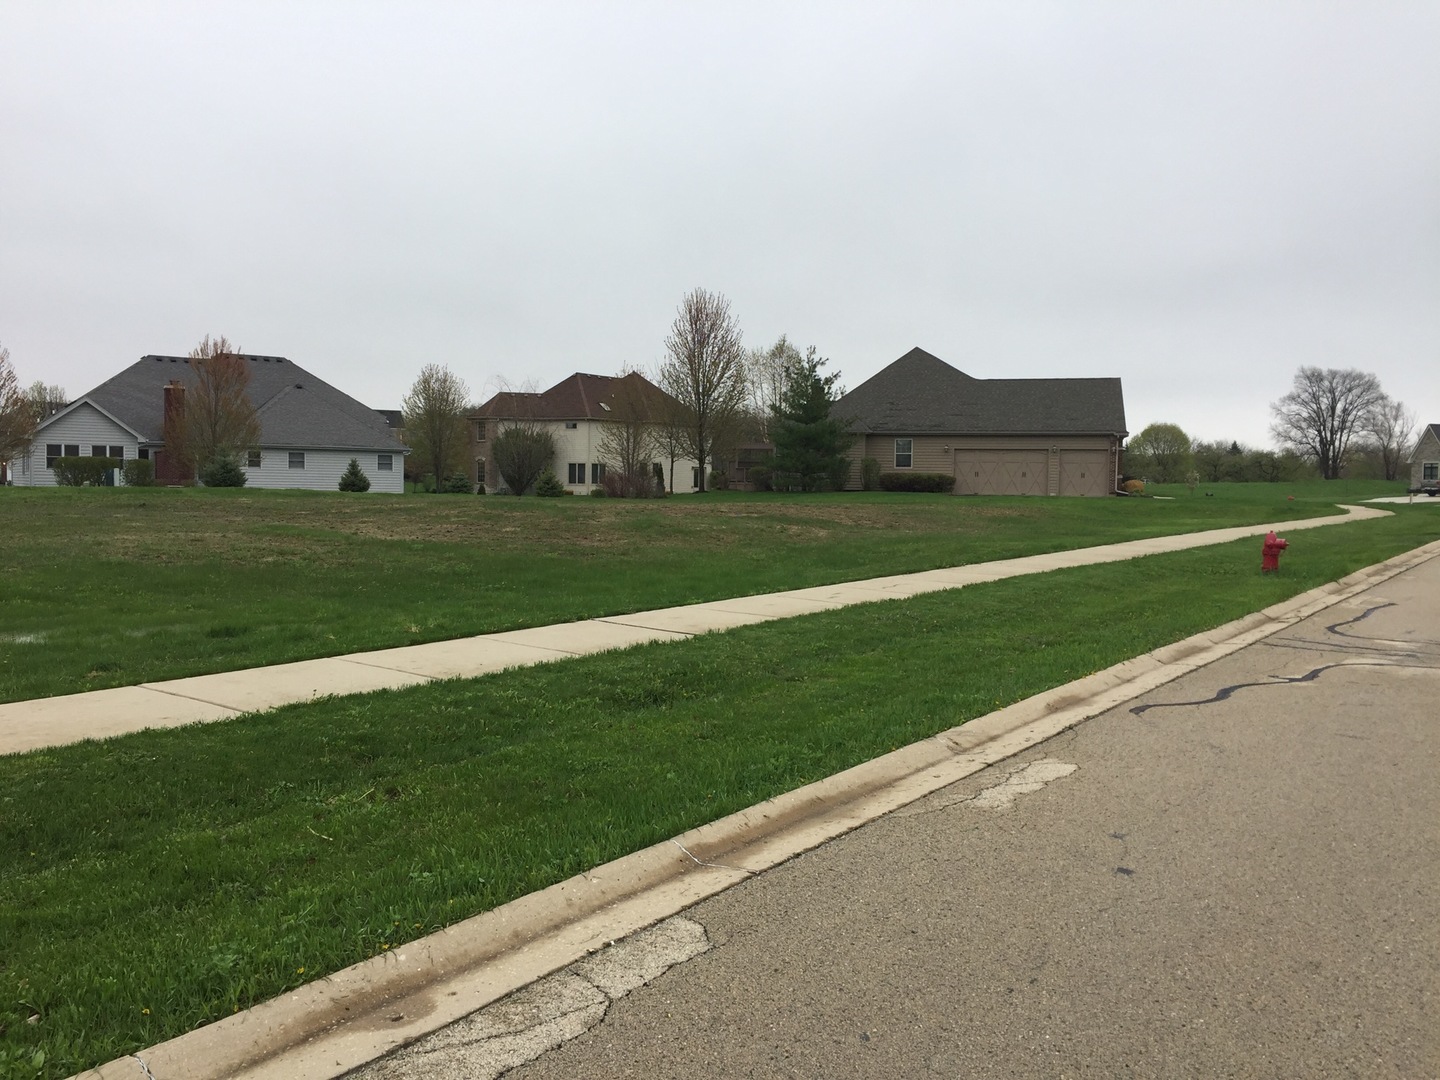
column 1195, row 197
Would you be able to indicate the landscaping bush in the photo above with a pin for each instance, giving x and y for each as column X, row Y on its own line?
column 223, row 470
column 598, row 493
column 77, row 471
column 1135, row 487
column 719, row 481
column 352, row 479
column 659, row 479
column 459, row 484
column 870, row 474
column 549, row 485
column 917, row 481
column 480, row 488
column 762, row 478
column 138, row 472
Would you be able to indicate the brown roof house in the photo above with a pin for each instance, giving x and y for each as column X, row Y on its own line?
column 1425, row 462
column 994, row 436
column 576, row 411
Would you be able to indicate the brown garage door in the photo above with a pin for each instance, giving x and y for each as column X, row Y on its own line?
column 1084, row 472
column 1000, row 472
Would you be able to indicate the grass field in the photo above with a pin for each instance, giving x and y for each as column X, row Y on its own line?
column 166, row 879
column 112, row 587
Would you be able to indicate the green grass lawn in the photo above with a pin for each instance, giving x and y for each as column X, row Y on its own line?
column 163, row 880
column 105, row 587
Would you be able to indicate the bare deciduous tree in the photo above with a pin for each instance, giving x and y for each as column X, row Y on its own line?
column 628, row 442
column 704, row 369
column 522, row 450
column 1322, row 413
column 46, row 400
column 434, row 412
column 1390, row 424
column 765, row 375
column 219, row 419
column 17, row 416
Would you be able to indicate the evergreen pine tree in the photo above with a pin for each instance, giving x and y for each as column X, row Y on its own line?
column 810, row 444
column 353, row 479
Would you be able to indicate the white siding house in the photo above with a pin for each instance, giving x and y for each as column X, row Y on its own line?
column 79, row 430
column 575, row 411
column 309, row 430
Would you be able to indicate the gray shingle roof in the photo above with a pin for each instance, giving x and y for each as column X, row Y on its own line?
column 921, row 393
column 295, row 408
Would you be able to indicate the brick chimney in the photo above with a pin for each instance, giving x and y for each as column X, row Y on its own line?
column 169, row 466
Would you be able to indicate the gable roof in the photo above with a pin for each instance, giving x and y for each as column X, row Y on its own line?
column 1430, row 430
column 581, row 397
column 295, row 408
column 921, row 393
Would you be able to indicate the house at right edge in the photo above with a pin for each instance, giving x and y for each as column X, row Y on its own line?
column 994, row 436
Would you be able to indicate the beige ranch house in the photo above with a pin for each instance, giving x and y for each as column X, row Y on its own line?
column 994, row 436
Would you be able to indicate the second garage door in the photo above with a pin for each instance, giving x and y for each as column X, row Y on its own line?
column 1000, row 472
column 1085, row 472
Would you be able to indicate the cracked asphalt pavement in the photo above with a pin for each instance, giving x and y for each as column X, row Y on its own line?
column 1237, row 875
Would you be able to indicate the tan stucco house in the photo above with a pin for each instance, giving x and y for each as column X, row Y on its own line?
column 994, row 436
column 1425, row 462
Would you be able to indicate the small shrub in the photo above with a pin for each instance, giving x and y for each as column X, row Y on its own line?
column 138, row 472
column 659, row 474
column 78, row 471
column 480, row 488
column 549, row 485
column 223, row 470
column 870, row 474
column 719, row 481
column 917, row 481
column 1135, row 487
column 459, row 484
column 352, row 479
column 762, row 478
column 599, row 493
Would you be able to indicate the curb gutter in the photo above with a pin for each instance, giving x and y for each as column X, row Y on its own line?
column 334, row 1025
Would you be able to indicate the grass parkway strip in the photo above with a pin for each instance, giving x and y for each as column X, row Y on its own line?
column 166, row 879
column 107, row 587
column 55, row 721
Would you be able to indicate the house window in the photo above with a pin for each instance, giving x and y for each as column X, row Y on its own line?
column 571, row 425
column 384, row 462
column 117, row 452
column 695, row 478
column 72, row 449
column 904, row 453
column 297, row 459
column 1430, row 470
column 144, row 453
column 52, row 451
column 98, row 451
column 575, row 472
column 597, row 473
column 480, row 431
column 252, row 459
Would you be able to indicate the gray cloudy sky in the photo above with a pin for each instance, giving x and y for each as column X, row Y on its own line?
column 1196, row 197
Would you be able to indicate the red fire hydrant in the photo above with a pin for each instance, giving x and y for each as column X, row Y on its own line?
column 1270, row 553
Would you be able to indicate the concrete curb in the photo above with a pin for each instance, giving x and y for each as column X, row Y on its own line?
column 336, row 1024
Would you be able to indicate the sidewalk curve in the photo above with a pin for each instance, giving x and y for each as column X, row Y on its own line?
column 99, row 714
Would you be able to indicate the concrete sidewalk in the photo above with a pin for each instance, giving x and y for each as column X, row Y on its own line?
column 56, row 721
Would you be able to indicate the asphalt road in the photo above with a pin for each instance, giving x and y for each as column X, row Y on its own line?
column 1237, row 875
